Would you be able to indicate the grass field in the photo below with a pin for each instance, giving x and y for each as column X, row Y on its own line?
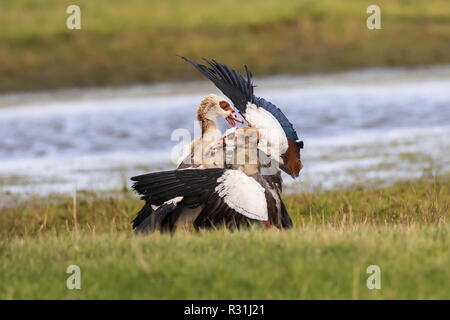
column 403, row 229
column 136, row 41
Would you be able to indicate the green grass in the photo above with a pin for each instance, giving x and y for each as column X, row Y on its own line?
column 307, row 263
column 132, row 41
column 338, row 234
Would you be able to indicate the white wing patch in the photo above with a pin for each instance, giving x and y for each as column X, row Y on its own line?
column 243, row 194
column 173, row 201
column 272, row 139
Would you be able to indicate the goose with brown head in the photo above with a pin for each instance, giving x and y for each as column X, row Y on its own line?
column 275, row 130
column 201, row 151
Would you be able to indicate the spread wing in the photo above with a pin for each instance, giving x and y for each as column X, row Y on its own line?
column 231, row 83
column 224, row 193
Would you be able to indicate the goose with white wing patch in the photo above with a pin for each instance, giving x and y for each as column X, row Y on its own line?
column 222, row 197
column 278, row 138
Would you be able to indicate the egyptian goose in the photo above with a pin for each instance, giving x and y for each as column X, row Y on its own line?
column 202, row 151
column 202, row 154
column 277, row 137
column 237, row 195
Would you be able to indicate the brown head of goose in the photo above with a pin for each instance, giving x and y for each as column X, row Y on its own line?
column 201, row 152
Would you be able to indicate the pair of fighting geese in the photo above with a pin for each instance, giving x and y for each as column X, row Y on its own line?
column 230, row 180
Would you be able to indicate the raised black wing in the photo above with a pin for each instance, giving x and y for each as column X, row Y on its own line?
column 240, row 92
column 231, row 83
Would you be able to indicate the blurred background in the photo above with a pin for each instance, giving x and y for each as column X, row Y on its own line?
column 86, row 109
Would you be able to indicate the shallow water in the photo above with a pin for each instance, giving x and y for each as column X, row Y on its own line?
column 371, row 126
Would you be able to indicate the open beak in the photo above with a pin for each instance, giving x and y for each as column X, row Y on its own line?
column 233, row 118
